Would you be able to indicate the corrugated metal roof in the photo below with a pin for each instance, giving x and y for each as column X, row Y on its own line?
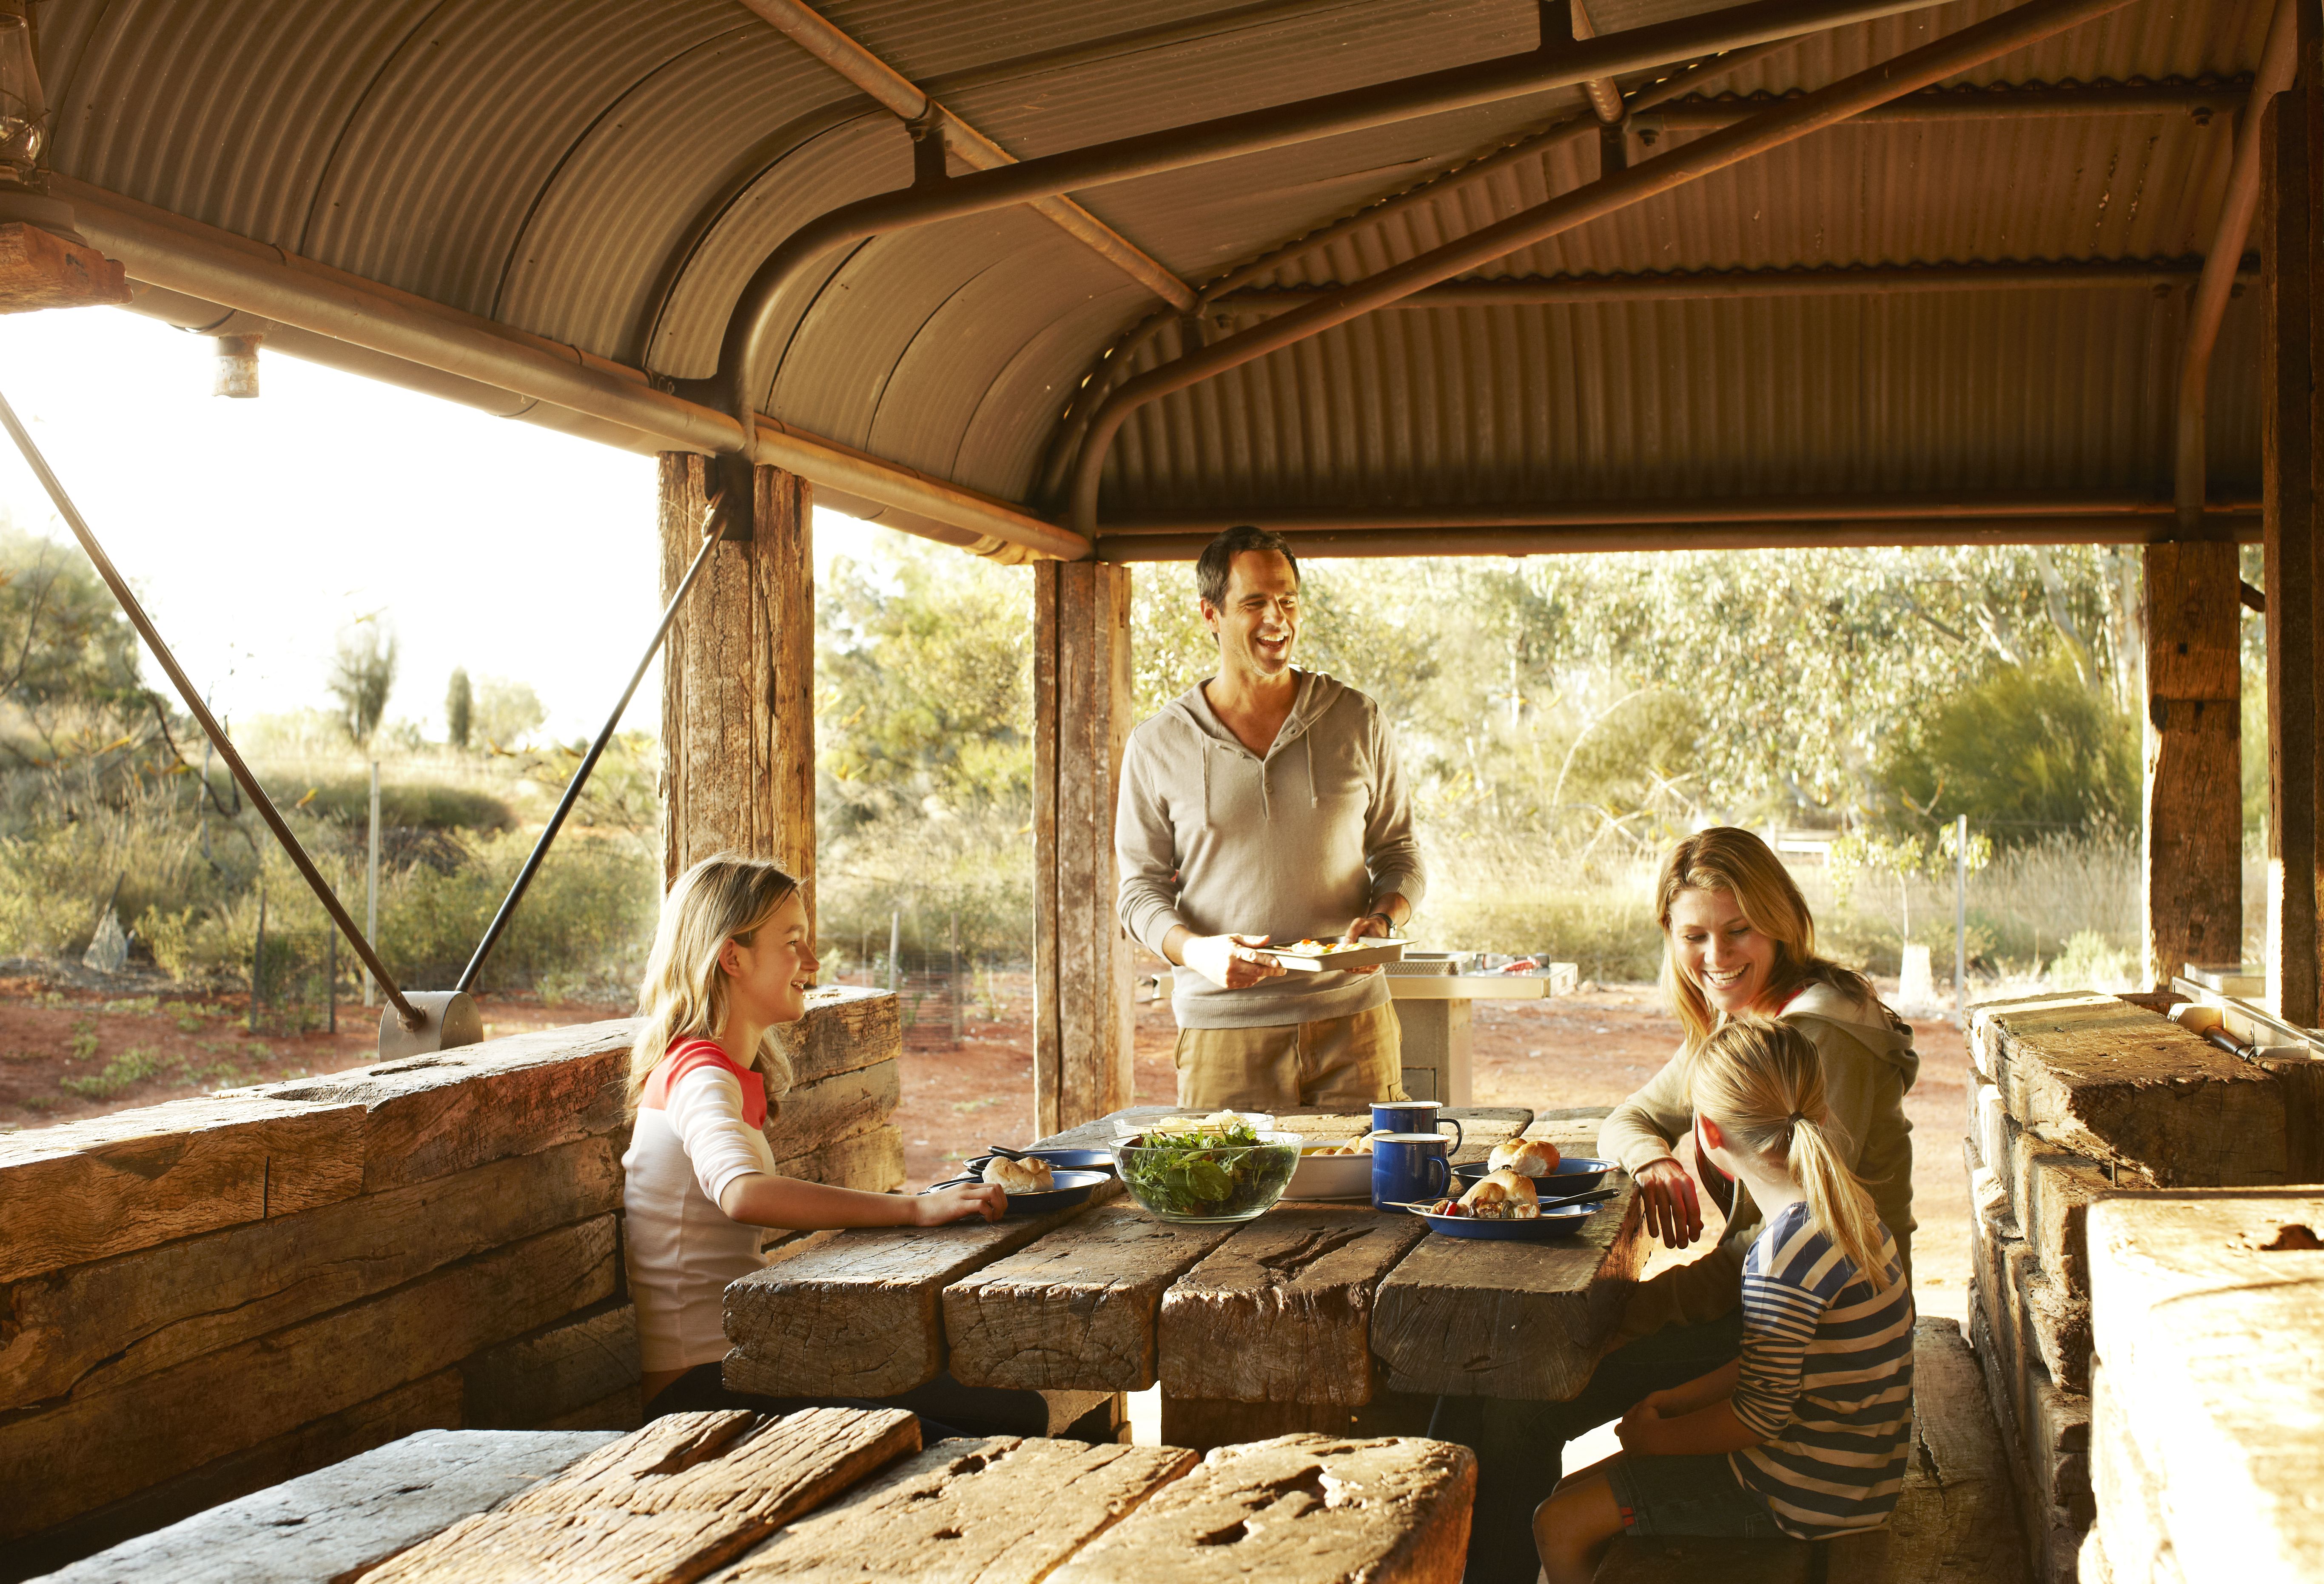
column 607, row 175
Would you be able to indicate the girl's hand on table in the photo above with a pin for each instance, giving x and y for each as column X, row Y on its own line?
column 1673, row 1214
column 989, row 1200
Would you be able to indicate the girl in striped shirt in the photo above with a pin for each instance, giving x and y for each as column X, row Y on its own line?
column 1807, row 1433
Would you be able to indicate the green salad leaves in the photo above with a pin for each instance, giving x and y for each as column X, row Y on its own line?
column 1207, row 1174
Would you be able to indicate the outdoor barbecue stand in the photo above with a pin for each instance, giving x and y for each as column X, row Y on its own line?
column 414, row 1022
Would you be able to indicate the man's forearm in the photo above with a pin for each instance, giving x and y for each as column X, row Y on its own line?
column 1173, row 945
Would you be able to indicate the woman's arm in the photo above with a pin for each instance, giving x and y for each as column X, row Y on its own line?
column 1642, row 1133
column 759, row 1200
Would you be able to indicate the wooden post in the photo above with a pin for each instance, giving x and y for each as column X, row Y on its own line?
column 1082, row 1017
column 738, row 681
column 2287, row 418
column 2192, row 894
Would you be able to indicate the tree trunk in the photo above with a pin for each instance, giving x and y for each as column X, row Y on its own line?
column 738, row 681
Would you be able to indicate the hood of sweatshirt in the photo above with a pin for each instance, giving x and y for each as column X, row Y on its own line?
column 1314, row 698
column 1868, row 1022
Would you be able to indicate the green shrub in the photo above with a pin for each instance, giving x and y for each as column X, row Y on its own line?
column 2027, row 754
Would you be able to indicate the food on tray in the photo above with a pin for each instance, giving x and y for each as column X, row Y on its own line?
column 1216, row 1122
column 1533, row 1157
column 1498, row 1210
column 1500, row 1188
column 1025, row 1177
column 1354, row 1146
column 1448, row 1207
column 1324, row 948
column 1219, row 1168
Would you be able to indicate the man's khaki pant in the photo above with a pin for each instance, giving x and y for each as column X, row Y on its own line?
column 1335, row 1060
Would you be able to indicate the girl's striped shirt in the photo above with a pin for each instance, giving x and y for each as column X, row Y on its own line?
column 1826, row 1380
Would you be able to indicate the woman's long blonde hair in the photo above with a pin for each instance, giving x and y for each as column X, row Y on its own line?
column 1762, row 1082
column 1725, row 858
column 683, row 996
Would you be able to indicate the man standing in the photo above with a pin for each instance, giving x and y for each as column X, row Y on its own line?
column 1266, row 804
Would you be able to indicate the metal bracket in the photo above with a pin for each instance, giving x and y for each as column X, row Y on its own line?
column 926, row 132
column 732, row 486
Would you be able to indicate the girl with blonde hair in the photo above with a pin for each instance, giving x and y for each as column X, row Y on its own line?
column 731, row 963
column 1738, row 942
column 1807, row 1431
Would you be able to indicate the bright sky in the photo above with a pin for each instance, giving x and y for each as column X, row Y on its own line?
column 255, row 531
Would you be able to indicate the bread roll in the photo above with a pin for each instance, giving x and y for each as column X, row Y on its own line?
column 1533, row 1157
column 1027, row 1176
column 1502, row 1187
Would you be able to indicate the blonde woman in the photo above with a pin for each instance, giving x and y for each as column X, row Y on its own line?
column 730, row 962
column 1807, row 1431
column 1738, row 942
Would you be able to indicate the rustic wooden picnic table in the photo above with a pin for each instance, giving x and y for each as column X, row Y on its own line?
column 1311, row 1309
column 827, row 1493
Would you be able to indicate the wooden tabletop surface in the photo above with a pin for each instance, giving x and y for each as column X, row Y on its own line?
column 1314, row 1303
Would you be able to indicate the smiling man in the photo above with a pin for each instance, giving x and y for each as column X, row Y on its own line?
column 1264, row 804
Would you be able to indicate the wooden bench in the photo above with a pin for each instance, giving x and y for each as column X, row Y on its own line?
column 1955, row 1520
column 745, row 1498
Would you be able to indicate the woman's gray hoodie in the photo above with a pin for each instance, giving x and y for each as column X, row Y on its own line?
column 1210, row 835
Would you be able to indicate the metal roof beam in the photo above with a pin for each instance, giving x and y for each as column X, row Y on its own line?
column 201, row 262
column 1932, row 63
column 891, row 88
column 2030, row 101
column 2019, row 504
column 1701, row 285
column 2276, row 63
column 1249, row 132
column 2140, row 528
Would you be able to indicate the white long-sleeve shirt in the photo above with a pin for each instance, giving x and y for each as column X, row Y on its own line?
column 682, row 1248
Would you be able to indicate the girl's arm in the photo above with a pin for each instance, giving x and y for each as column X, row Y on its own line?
column 759, row 1200
column 1710, row 1429
column 1698, row 1393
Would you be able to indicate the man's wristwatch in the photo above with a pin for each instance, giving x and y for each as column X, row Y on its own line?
column 1384, row 919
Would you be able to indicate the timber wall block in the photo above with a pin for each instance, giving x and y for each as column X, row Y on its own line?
column 203, row 1298
column 2076, row 1098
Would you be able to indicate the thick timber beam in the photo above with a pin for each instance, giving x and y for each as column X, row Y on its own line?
column 1082, row 1039
column 2191, row 886
column 738, row 680
column 2288, row 417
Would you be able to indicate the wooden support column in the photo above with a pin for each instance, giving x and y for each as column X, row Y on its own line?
column 2192, row 894
column 2288, row 450
column 1082, row 1039
column 738, row 680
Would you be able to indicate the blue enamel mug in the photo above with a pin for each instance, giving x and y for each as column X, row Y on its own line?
column 1412, row 1116
column 1410, row 1168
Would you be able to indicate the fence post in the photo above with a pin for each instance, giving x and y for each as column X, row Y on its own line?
column 331, row 978
column 371, row 888
column 258, row 961
column 1960, row 921
column 895, row 944
column 956, row 979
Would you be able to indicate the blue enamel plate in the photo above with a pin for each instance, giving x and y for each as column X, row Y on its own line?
column 1550, row 1226
column 1060, row 1160
column 1576, row 1174
column 1072, row 1188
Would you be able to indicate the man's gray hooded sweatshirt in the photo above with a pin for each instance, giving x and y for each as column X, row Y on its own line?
column 1294, row 845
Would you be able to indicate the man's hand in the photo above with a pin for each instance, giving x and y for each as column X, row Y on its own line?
column 1229, row 961
column 989, row 1200
column 1371, row 924
column 1673, row 1214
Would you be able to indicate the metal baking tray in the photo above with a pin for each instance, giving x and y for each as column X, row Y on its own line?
column 1310, row 959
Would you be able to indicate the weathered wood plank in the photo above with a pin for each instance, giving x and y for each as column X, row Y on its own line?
column 992, row 1511
column 1666, row 1561
column 2132, row 1532
column 2042, row 1479
column 2288, row 539
column 871, row 1160
column 1522, row 1319
column 667, row 1503
column 571, row 1365
column 41, row 269
column 1298, row 1508
column 90, row 1326
column 1075, row 1310
column 859, row 1314
column 2210, row 1318
column 432, row 1403
column 816, row 1115
column 847, row 1026
column 93, row 1448
column 738, row 680
column 430, row 1116
column 340, row 1520
column 1281, row 1312
column 2127, row 1087
column 1201, row 1423
column 2191, row 900
column 2050, row 1192
column 82, row 1191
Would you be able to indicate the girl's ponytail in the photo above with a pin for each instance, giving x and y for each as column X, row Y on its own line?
column 1763, row 1082
column 1836, row 1197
